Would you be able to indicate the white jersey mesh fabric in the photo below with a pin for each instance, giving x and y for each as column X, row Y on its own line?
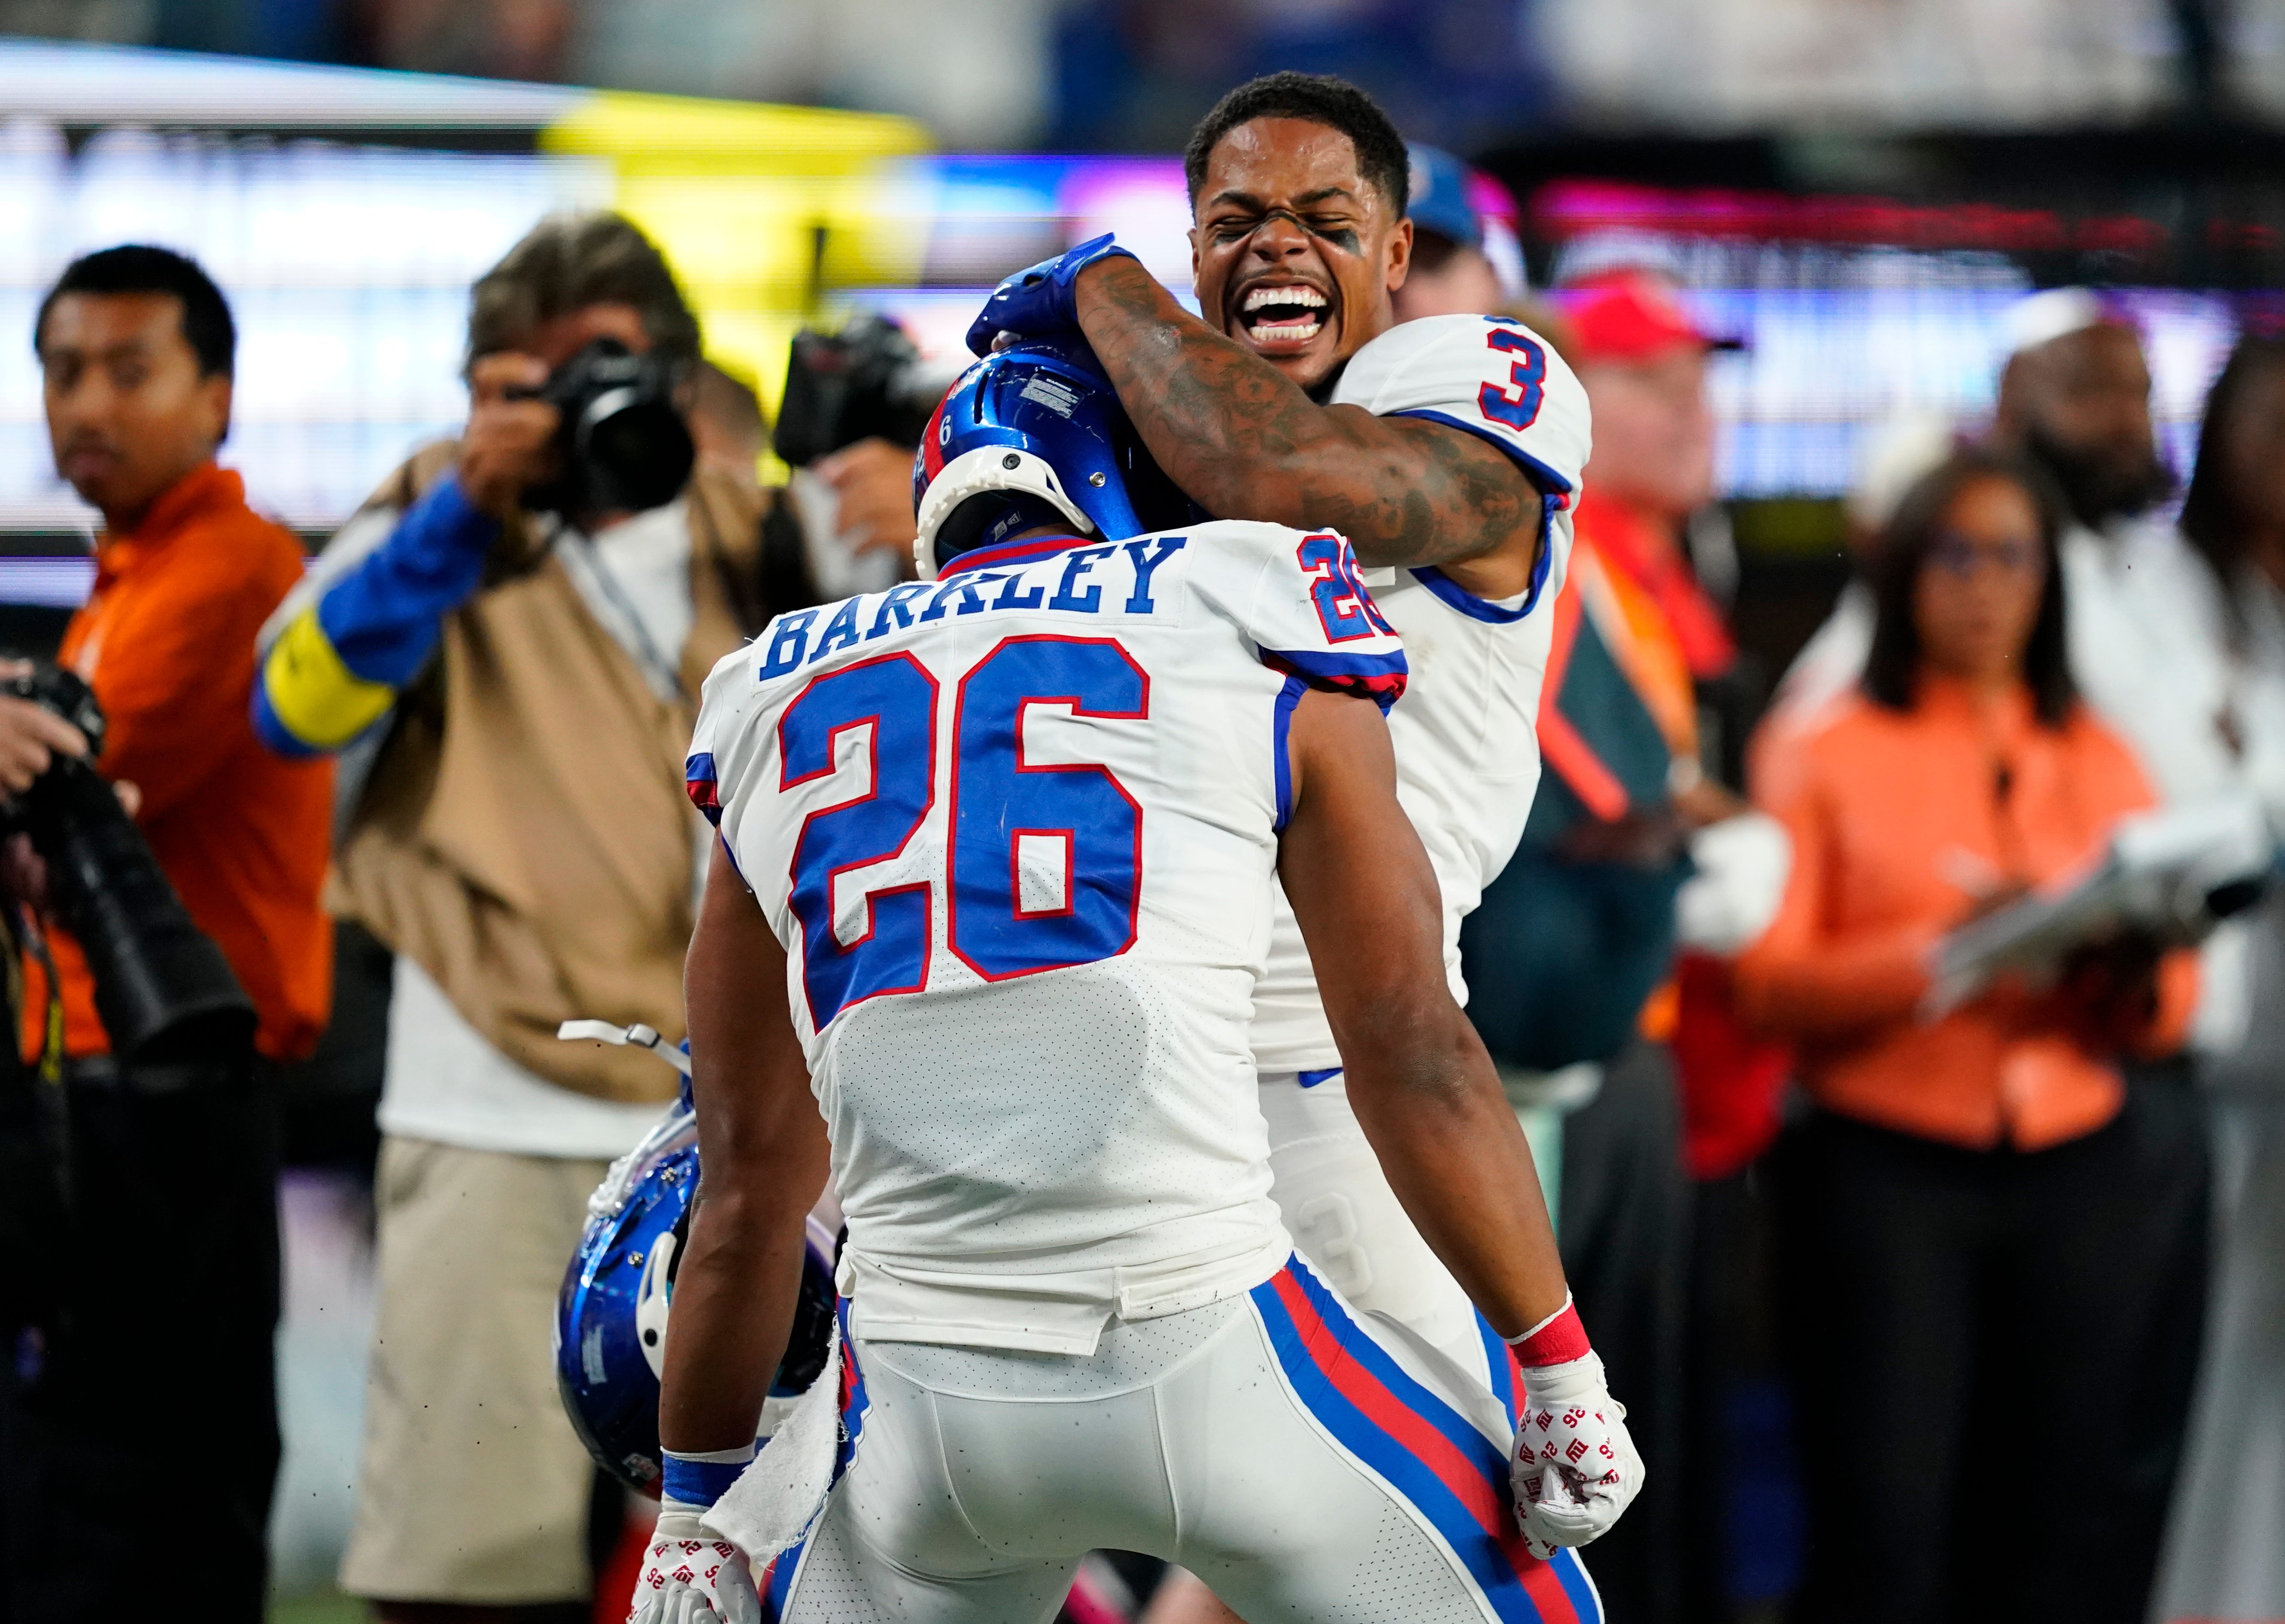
column 979, row 1112
column 1017, row 829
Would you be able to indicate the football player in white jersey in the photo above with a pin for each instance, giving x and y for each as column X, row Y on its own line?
column 1447, row 450
column 1010, row 835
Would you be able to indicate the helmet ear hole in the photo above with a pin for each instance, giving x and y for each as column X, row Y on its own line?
column 680, row 1236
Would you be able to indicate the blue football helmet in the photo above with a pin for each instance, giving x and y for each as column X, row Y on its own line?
column 1029, row 436
column 611, row 1320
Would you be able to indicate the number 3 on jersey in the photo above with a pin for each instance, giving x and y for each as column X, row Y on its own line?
column 1015, row 825
column 1528, row 377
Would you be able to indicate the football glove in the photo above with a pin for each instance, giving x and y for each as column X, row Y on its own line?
column 692, row 1576
column 1575, row 1468
column 1038, row 300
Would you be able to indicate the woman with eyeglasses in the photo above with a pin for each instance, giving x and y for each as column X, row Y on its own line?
column 1964, row 1295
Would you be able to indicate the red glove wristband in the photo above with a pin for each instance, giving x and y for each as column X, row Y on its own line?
column 1556, row 1340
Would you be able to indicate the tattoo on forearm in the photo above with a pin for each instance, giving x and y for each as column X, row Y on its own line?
column 1241, row 438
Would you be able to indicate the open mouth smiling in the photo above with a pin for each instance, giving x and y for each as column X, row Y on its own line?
column 1290, row 313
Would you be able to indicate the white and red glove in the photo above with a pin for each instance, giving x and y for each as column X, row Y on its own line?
column 1574, row 1469
column 691, row 1574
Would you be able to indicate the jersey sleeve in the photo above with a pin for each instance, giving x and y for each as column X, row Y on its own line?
column 1492, row 377
column 1299, row 595
column 729, row 737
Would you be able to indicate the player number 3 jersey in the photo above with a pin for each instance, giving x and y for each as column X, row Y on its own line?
column 1467, row 750
column 1017, row 828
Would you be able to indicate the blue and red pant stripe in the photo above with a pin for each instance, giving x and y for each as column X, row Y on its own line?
column 1422, row 1447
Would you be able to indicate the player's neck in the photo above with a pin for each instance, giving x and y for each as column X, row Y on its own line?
column 1321, row 391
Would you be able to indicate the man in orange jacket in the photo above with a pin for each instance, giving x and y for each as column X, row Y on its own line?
column 156, row 1387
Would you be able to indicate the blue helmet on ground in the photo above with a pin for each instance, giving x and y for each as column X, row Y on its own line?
column 1033, row 435
column 610, row 1319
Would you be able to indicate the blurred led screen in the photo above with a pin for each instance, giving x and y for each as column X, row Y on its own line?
column 349, row 267
column 347, row 270
column 1883, row 335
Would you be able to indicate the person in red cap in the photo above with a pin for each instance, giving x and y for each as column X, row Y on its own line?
column 1641, row 357
column 1662, row 858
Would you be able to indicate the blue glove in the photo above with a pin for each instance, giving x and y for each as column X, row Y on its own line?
column 1038, row 300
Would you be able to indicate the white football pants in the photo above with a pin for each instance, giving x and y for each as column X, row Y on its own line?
column 1346, row 1220
column 1310, row 1467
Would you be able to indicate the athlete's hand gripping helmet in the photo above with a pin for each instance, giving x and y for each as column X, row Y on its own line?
column 1035, row 435
column 611, row 1320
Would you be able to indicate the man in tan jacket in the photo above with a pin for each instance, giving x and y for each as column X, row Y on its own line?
column 514, row 692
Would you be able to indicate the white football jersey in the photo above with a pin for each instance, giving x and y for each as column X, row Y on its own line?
column 1467, row 749
column 1017, row 828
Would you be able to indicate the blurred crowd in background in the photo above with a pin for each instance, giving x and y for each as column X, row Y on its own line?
column 1129, row 76
column 1936, row 354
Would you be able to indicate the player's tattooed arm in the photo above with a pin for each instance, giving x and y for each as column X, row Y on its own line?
column 1245, row 442
column 763, row 1149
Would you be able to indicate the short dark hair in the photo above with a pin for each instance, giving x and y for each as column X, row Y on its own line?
column 2213, row 516
column 137, row 268
column 1892, row 668
column 570, row 260
column 1322, row 100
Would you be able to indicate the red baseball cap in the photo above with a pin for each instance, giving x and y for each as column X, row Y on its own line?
column 1630, row 316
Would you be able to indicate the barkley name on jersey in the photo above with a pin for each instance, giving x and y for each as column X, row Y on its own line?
column 1017, row 828
column 1467, row 750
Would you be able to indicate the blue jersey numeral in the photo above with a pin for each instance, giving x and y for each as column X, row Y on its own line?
column 897, row 697
column 1004, row 812
column 1078, row 817
column 1528, row 377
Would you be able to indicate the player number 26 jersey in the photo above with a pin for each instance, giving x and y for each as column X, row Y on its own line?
column 1017, row 829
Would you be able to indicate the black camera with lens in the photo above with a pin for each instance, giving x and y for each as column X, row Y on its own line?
column 166, row 994
column 864, row 382
column 622, row 446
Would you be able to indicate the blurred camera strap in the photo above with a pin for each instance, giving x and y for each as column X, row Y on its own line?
column 51, row 1064
column 54, row 1106
column 665, row 675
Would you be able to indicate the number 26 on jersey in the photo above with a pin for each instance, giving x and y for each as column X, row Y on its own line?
column 1013, row 824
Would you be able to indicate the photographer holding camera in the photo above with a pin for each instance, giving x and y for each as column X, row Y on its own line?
column 857, row 403
column 512, row 634
column 140, row 1421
